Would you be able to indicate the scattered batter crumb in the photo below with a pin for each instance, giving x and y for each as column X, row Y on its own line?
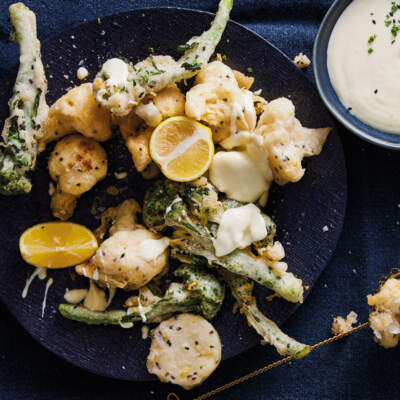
column 272, row 296
column 325, row 228
column 113, row 190
column 120, row 175
column 302, row 61
column 341, row 325
column 82, row 73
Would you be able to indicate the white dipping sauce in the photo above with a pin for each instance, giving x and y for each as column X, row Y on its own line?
column 364, row 69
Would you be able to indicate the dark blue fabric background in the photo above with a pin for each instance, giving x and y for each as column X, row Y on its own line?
column 369, row 247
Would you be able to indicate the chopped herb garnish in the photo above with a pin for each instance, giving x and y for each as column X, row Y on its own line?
column 184, row 47
column 194, row 66
column 143, row 15
column 151, row 49
column 47, row 66
column 388, row 22
column 371, row 39
column 99, row 21
column 250, row 69
column 370, row 50
column 224, row 57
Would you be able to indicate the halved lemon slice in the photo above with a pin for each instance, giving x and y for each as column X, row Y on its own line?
column 183, row 148
column 57, row 244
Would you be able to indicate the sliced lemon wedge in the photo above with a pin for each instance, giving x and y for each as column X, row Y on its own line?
column 182, row 148
column 57, row 244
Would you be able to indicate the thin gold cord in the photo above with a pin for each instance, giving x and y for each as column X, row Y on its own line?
column 173, row 396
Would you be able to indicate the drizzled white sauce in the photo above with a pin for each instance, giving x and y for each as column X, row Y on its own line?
column 244, row 175
column 239, row 228
column 41, row 272
column 48, row 284
column 150, row 249
column 367, row 81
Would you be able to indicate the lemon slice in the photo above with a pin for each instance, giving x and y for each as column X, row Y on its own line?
column 57, row 244
column 183, row 148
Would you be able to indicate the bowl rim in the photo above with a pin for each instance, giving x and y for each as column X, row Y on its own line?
column 321, row 89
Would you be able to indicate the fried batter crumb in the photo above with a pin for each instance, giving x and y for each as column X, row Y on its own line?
column 341, row 325
column 302, row 61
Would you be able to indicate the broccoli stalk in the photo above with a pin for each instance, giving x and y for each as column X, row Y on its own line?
column 200, row 292
column 242, row 290
column 28, row 107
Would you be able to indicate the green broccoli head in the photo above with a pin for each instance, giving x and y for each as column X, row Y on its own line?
column 205, row 285
column 157, row 199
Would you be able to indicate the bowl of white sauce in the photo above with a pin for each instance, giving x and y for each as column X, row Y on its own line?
column 356, row 63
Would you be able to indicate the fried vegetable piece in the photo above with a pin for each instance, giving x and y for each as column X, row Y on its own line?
column 170, row 102
column 76, row 111
column 201, row 292
column 342, row 325
column 28, row 108
column 217, row 99
column 185, row 350
column 120, row 87
column 242, row 289
column 287, row 141
column 122, row 260
column 76, row 164
column 165, row 204
column 384, row 319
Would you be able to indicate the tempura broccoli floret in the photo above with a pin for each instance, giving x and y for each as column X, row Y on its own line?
column 28, row 107
column 200, row 292
column 192, row 237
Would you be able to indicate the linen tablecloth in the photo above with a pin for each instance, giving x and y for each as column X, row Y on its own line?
column 369, row 247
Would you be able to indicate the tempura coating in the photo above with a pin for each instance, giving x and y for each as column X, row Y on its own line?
column 76, row 112
column 185, row 350
column 76, row 164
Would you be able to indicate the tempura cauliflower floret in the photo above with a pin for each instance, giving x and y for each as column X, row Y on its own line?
column 119, row 261
column 385, row 319
column 342, row 325
column 170, row 102
column 217, row 100
column 287, row 141
column 76, row 112
column 185, row 350
column 76, row 164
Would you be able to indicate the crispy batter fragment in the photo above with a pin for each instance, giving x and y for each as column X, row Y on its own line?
column 342, row 325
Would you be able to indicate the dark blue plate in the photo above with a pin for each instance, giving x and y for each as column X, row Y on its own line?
column 327, row 92
column 300, row 210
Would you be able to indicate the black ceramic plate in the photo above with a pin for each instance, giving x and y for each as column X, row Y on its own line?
column 301, row 210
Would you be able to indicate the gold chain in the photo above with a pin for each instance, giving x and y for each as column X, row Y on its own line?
column 174, row 396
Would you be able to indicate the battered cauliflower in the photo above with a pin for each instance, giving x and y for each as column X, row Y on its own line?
column 76, row 111
column 287, row 141
column 217, row 100
column 170, row 102
column 76, row 164
column 120, row 260
column 385, row 318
